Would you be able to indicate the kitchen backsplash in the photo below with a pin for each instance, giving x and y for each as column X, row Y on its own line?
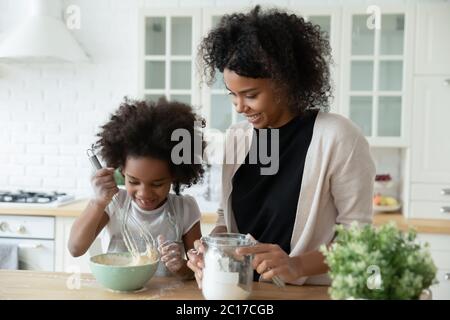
column 49, row 113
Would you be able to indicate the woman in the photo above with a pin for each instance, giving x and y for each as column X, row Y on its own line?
column 275, row 66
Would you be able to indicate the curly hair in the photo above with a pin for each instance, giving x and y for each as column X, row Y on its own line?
column 272, row 44
column 144, row 128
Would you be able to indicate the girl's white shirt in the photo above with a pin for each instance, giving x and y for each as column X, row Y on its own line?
column 173, row 220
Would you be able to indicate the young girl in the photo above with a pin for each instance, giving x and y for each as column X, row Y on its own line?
column 137, row 140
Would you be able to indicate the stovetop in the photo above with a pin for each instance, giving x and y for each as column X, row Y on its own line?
column 22, row 197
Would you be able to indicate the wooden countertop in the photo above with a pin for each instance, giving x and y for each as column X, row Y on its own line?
column 31, row 285
column 74, row 209
column 421, row 225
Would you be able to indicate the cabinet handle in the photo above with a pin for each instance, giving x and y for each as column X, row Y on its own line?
column 445, row 192
column 447, row 276
column 4, row 226
column 445, row 209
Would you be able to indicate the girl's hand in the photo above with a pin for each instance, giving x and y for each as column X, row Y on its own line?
column 171, row 254
column 270, row 260
column 104, row 186
column 196, row 262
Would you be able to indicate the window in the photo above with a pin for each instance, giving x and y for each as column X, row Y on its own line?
column 374, row 86
column 167, row 54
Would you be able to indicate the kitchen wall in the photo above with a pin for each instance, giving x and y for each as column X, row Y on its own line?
column 49, row 113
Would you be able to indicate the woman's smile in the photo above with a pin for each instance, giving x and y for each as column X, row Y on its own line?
column 254, row 118
column 256, row 99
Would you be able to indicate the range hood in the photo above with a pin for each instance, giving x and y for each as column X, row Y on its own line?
column 42, row 37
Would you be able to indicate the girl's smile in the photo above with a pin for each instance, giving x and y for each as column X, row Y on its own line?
column 148, row 181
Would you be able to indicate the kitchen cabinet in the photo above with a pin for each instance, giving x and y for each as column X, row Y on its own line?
column 431, row 130
column 432, row 39
column 167, row 49
column 430, row 172
column 377, row 71
column 34, row 237
column 64, row 262
column 430, row 150
column 430, row 169
column 440, row 252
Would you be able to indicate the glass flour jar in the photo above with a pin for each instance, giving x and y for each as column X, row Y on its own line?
column 227, row 276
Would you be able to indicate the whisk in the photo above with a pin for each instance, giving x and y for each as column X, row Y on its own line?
column 128, row 220
column 173, row 223
column 123, row 213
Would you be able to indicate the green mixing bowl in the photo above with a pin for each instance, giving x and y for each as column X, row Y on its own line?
column 113, row 272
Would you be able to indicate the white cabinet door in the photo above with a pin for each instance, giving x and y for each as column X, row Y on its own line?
column 432, row 40
column 431, row 130
column 440, row 253
column 377, row 72
column 34, row 254
column 441, row 291
column 168, row 41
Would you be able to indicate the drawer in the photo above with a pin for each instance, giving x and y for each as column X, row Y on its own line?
column 430, row 192
column 437, row 242
column 31, row 227
column 34, row 254
column 430, row 210
column 441, row 259
column 441, row 291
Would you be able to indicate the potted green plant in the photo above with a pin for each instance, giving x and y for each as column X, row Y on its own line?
column 378, row 263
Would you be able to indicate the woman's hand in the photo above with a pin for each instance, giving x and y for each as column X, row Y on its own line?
column 196, row 262
column 104, row 186
column 270, row 260
column 171, row 254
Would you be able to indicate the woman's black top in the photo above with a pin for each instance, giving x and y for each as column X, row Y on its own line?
column 266, row 205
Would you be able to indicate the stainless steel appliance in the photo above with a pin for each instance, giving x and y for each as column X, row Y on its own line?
column 35, row 199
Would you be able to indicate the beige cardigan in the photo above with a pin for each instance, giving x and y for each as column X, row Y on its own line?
column 337, row 185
